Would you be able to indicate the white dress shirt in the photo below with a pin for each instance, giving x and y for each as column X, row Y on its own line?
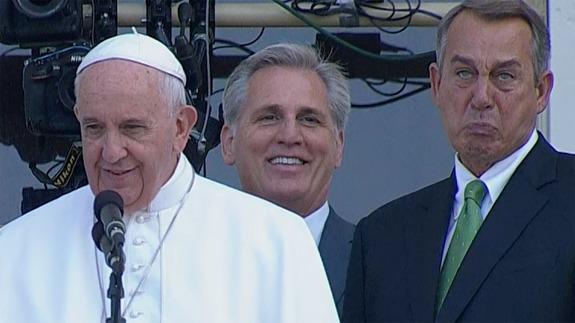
column 495, row 179
column 316, row 221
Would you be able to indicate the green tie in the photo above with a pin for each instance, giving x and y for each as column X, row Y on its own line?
column 468, row 224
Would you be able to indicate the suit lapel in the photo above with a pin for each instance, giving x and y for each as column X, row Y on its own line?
column 519, row 202
column 424, row 239
column 335, row 248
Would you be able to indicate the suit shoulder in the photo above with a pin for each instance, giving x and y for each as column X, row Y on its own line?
column 567, row 163
column 408, row 203
column 337, row 227
column 339, row 221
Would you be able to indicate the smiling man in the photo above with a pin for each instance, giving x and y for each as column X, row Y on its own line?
column 495, row 241
column 285, row 110
column 196, row 250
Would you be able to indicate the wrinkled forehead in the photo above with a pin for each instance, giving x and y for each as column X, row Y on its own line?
column 118, row 82
column 472, row 33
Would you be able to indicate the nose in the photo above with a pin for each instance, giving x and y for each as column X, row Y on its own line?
column 482, row 94
column 289, row 133
column 113, row 148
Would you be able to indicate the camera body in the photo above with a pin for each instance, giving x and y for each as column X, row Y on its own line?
column 36, row 23
column 59, row 38
column 49, row 87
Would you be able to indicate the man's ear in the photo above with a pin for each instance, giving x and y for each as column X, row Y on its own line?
column 185, row 120
column 435, row 80
column 76, row 112
column 543, row 90
column 340, row 145
column 226, row 147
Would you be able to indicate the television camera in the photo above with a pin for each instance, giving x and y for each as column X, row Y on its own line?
column 59, row 33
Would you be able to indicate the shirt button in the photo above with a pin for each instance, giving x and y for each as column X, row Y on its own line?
column 137, row 267
column 141, row 219
column 135, row 314
column 138, row 241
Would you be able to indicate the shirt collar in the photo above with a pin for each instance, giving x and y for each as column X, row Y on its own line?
column 174, row 190
column 316, row 221
column 497, row 176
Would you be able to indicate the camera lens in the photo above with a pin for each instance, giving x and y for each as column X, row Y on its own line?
column 39, row 8
column 40, row 2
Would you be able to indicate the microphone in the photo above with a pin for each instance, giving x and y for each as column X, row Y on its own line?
column 108, row 234
column 109, row 208
column 115, row 257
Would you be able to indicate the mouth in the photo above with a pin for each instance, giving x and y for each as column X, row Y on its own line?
column 481, row 128
column 118, row 172
column 287, row 160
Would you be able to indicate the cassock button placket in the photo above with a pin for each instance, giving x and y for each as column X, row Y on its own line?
column 136, row 267
column 142, row 219
column 138, row 241
column 135, row 314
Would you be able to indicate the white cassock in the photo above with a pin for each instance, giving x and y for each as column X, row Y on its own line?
column 225, row 256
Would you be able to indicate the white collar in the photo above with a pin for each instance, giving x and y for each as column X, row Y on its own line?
column 172, row 192
column 497, row 176
column 316, row 221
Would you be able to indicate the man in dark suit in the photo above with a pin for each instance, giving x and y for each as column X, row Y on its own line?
column 496, row 240
column 285, row 110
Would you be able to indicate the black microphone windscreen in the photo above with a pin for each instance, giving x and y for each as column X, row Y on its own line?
column 107, row 197
column 97, row 234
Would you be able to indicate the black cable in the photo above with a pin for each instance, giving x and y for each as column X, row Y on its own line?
column 378, row 91
column 388, row 101
column 414, row 82
column 324, row 8
column 381, row 82
column 377, row 82
column 408, row 16
column 231, row 44
column 365, row 14
column 429, row 13
column 418, row 10
column 241, row 46
column 409, row 11
column 388, row 58
column 317, row 7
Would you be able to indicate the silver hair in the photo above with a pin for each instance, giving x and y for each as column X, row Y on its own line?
column 291, row 56
column 494, row 10
column 174, row 91
column 169, row 86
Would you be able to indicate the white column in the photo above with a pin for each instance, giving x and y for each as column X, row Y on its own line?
column 562, row 106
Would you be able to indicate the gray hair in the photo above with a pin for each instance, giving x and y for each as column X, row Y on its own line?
column 174, row 92
column 491, row 10
column 171, row 88
column 291, row 56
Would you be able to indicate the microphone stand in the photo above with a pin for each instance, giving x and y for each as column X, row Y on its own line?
column 108, row 234
column 116, row 288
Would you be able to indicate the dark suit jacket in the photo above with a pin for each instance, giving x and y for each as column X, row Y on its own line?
column 520, row 267
column 335, row 248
